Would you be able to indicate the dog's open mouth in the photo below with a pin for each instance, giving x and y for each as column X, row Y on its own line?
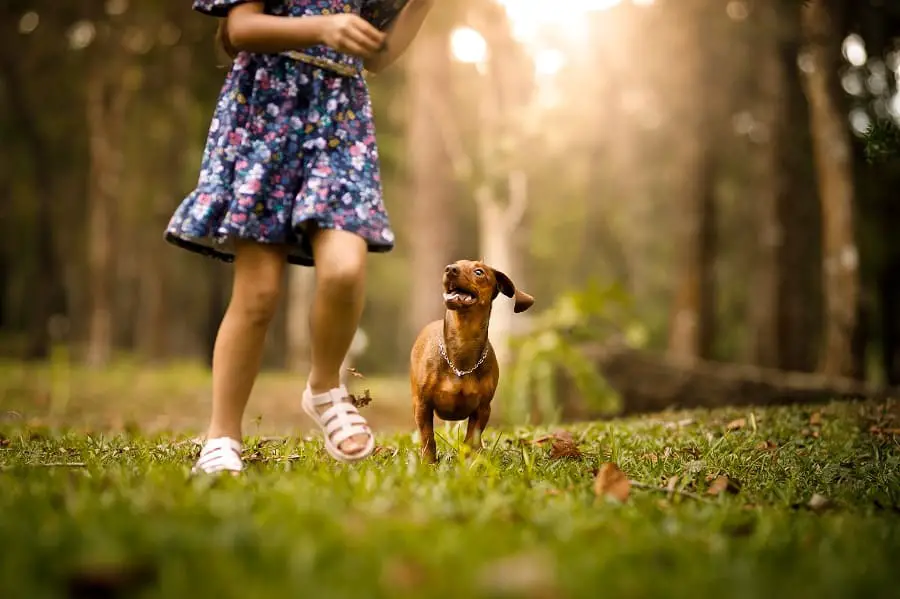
column 456, row 297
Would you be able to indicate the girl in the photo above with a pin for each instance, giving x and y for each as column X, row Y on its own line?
column 290, row 175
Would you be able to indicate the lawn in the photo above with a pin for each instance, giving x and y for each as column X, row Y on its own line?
column 810, row 508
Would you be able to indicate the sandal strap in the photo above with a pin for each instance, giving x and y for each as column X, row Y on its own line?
column 221, row 453
column 335, row 396
column 341, row 420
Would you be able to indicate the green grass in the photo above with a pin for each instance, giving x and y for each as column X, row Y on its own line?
column 510, row 521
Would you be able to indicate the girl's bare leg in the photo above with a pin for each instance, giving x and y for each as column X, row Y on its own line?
column 337, row 306
column 256, row 290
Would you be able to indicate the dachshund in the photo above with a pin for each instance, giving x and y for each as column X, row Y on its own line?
column 453, row 369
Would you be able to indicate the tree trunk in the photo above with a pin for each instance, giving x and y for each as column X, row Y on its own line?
column 833, row 158
column 650, row 382
column 106, row 100
column 154, row 327
column 783, row 325
column 497, row 224
column 432, row 226
column 693, row 313
column 46, row 291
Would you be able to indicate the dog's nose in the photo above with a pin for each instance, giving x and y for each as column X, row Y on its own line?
column 452, row 270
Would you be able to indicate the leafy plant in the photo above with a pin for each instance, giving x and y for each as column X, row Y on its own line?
column 882, row 141
column 553, row 347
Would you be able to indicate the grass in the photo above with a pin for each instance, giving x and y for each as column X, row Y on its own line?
column 512, row 521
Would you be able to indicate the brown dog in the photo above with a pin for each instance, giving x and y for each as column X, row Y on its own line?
column 453, row 370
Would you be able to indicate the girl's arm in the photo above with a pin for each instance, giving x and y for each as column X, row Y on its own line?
column 401, row 35
column 249, row 28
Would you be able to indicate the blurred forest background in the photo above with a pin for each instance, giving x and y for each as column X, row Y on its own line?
column 688, row 176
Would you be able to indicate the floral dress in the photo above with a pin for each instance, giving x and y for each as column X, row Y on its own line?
column 291, row 145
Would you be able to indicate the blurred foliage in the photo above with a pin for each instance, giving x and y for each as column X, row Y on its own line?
column 882, row 141
column 594, row 313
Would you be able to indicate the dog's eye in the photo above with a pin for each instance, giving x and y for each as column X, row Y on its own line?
column 479, row 272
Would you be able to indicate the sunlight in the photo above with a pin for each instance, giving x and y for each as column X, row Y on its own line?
column 549, row 61
column 468, row 46
column 854, row 50
column 529, row 17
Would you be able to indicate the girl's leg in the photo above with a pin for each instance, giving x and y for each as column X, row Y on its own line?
column 256, row 290
column 339, row 298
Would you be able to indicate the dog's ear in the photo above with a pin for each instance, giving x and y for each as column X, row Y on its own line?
column 523, row 301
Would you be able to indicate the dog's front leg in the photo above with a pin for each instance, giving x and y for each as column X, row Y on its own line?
column 425, row 422
column 473, row 433
column 476, row 425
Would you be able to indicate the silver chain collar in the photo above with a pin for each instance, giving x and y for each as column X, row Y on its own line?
column 457, row 371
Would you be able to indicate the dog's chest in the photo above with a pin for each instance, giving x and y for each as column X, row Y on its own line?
column 458, row 398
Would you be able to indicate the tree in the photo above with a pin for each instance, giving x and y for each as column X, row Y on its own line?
column 833, row 157
column 432, row 193
column 785, row 295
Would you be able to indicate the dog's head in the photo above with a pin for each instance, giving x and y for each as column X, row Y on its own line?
column 469, row 284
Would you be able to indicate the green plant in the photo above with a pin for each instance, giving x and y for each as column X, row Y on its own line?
column 553, row 345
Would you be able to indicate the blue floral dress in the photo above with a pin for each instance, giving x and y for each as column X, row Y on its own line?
column 291, row 145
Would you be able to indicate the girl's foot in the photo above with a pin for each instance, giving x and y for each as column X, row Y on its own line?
column 221, row 454
column 348, row 437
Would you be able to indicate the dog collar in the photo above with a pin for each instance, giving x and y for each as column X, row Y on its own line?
column 457, row 371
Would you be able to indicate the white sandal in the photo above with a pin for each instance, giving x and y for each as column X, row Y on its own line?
column 338, row 423
column 221, row 454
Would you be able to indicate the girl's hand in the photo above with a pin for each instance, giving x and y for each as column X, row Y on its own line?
column 350, row 34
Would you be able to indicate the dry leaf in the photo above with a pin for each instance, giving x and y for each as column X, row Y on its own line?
column 562, row 445
column 564, row 448
column 403, row 574
column 815, row 419
column 612, row 482
column 736, row 424
column 4, row 442
column 667, row 452
column 671, row 484
column 722, row 484
column 767, row 445
column 818, row 503
column 355, row 373
column 361, row 401
column 651, row 457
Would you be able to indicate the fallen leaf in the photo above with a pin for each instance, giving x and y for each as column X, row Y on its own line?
column 767, row 445
column 355, row 373
column 671, row 484
column 651, row 457
column 736, row 424
column 722, row 484
column 404, row 574
column 667, row 452
column 818, row 503
column 564, row 448
column 815, row 419
column 361, row 401
column 4, row 442
column 612, row 482
column 562, row 445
